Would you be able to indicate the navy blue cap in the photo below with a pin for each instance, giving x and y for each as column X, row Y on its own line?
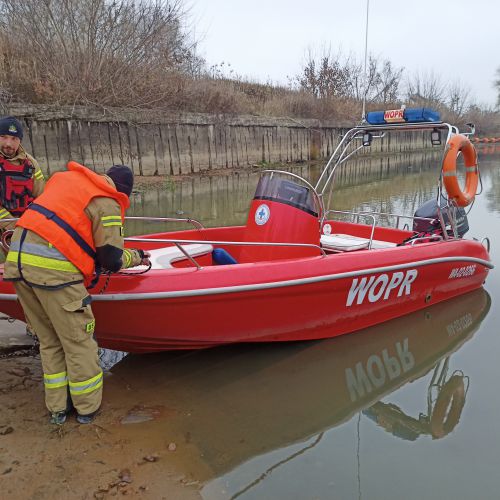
column 11, row 126
column 123, row 177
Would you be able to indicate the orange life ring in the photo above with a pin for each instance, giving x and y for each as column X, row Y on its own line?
column 448, row 407
column 460, row 144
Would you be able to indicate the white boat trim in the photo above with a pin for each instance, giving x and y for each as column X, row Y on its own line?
column 274, row 284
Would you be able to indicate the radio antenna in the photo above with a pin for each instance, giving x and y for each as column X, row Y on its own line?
column 365, row 89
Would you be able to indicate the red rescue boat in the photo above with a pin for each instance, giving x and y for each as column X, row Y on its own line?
column 296, row 266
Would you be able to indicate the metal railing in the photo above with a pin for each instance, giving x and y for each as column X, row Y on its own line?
column 197, row 224
column 397, row 216
column 341, row 153
column 179, row 244
column 372, row 215
column 486, row 243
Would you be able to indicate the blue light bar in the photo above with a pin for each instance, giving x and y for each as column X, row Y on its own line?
column 411, row 115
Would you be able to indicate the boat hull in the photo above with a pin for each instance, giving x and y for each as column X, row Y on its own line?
column 292, row 394
column 284, row 300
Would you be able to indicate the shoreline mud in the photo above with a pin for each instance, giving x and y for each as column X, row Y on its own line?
column 117, row 455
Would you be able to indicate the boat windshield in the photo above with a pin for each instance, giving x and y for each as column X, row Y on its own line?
column 288, row 189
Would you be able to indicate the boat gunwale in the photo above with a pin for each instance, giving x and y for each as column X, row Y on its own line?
column 275, row 284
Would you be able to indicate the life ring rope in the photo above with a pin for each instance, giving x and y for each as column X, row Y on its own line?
column 460, row 144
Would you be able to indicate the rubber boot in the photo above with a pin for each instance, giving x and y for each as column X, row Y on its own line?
column 58, row 417
column 86, row 419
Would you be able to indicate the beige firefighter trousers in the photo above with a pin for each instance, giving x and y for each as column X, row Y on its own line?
column 65, row 326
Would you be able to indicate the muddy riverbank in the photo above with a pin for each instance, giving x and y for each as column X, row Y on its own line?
column 115, row 456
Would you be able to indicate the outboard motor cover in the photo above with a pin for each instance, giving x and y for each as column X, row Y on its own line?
column 429, row 210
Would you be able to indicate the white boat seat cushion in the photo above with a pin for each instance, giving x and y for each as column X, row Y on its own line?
column 162, row 258
column 348, row 243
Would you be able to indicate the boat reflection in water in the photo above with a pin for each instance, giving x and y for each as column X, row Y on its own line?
column 235, row 403
column 445, row 402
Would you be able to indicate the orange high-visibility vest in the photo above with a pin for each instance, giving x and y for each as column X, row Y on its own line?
column 58, row 214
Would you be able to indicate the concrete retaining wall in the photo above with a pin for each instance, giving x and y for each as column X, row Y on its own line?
column 161, row 143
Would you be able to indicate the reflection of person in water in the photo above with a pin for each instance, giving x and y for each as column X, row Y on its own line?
column 442, row 416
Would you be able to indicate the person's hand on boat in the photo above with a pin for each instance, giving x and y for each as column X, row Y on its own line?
column 144, row 255
column 133, row 257
column 145, row 258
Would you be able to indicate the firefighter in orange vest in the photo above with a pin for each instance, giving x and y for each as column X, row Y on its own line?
column 73, row 227
column 21, row 179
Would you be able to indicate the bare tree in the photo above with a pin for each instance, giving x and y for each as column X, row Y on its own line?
column 425, row 89
column 335, row 76
column 486, row 119
column 325, row 77
column 458, row 98
column 388, row 82
column 103, row 51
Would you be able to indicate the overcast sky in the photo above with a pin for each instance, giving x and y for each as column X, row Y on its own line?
column 268, row 39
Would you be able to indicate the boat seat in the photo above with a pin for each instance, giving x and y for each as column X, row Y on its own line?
column 348, row 243
column 162, row 258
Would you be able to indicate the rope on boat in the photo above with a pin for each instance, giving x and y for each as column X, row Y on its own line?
column 123, row 273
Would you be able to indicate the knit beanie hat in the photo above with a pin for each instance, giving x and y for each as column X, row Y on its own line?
column 11, row 126
column 123, row 178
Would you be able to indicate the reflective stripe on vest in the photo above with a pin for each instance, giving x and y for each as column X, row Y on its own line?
column 86, row 386
column 38, row 249
column 55, row 380
column 43, row 262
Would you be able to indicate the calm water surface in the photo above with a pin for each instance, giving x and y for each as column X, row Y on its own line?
column 405, row 410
